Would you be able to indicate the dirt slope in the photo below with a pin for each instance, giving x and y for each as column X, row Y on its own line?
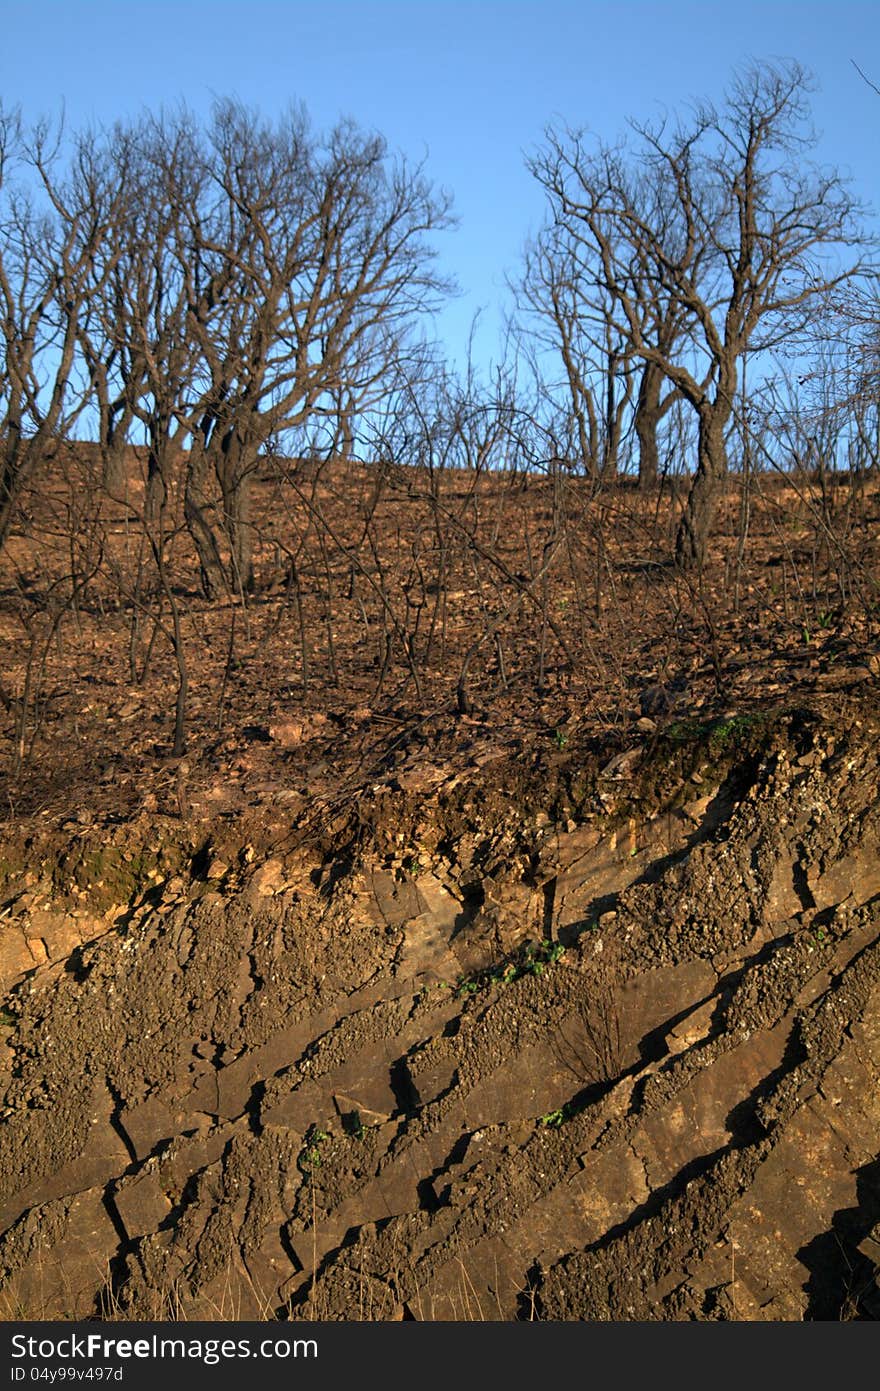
column 594, row 1038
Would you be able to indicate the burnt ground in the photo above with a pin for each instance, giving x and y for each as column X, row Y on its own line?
column 374, row 1009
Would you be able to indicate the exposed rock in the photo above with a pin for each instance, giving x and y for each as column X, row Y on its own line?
column 483, row 1065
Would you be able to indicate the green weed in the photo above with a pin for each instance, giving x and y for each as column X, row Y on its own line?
column 529, row 961
column 553, row 1120
column 310, row 1154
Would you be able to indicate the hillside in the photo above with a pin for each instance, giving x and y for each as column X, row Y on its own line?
column 522, row 964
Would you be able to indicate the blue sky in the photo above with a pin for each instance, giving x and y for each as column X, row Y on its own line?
column 467, row 84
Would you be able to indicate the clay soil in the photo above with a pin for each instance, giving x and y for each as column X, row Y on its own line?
column 505, row 944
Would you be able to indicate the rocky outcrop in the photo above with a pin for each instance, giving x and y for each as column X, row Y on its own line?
column 479, row 1063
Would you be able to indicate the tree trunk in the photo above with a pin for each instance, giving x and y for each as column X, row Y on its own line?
column 155, row 491
column 234, row 475
column 114, row 471
column 9, row 484
column 608, row 471
column 702, row 504
column 241, row 534
column 648, row 415
column 195, row 514
column 611, row 439
column 16, row 459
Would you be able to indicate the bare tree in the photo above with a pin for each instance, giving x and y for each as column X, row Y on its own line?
column 304, row 263
column 571, row 315
column 255, row 282
column 569, row 324
column 748, row 248
column 53, row 235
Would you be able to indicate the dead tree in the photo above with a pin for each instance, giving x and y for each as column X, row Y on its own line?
column 53, row 237
column 584, row 364
column 569, row 317
column 745, row 251
column 303, row 261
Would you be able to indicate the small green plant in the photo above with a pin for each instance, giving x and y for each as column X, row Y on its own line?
column 467, row 987
column 724, row 731
column 554, row 1119
column 310, row 1154
column 536, row 958
column 560, row 738
column 718, row 732
column 531, row 960
column 684, row 731
column 412, row 865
